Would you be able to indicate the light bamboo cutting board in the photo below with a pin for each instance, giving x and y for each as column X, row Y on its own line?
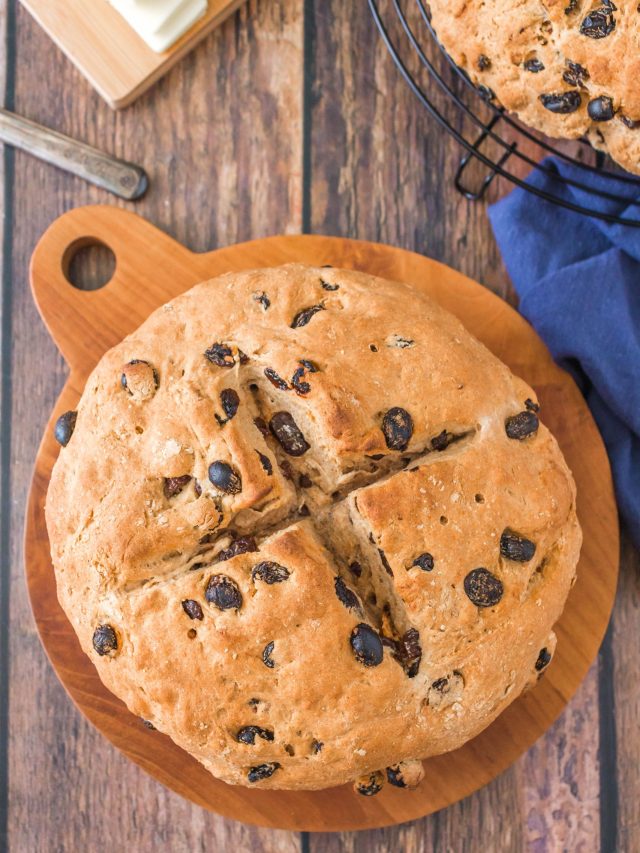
column 151, row 268
column 111, row 55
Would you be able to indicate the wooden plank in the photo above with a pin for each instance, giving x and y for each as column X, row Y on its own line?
column 626, row 704
column 206, row 134
column 381, row 168
column 388, row 175
column 558, row 781
column 6, row 95
column 110, row 54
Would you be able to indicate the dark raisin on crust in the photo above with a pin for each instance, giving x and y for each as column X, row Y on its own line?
column 192, row 609
column 486, row 93
column 269, row 572
column 230, row 401
column 443, row 685
column 316, row 746
column 397, row 428
column 174, row 485
column 304, row 316
column 355, row 568
column 241, row 545
column 225, row 478
column 395, row 777
column 424, row 562
column 220, row 354
column 298, row 384
column 572, row 6
column 263, row 299
column 629, row 122
column 562, row 102
column 575, row 74
column 267, row 660
column 276, row 380
column 600, row 23
column 369, row 785
column 601, row 109
column 533, row 65
column 385, row 562
column 483, row 62
column 149, row 725
column 105, row 640
column 442, row 440
column 516, row 547
column 304, row 481
column 522, row 425
column 265, row 462
column 544, row 659
column 223, row 592
column 248, row 734
column 327, row 286
column 408, row 652
column 366, row 645
column 262, row 426
column 288, row 434
column 483, row 588
column 531, row 406
column 64, row 427
column 262, row 771
column 347, row 596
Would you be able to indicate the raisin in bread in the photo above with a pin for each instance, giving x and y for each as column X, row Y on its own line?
column 567, row 67
column 309, row 527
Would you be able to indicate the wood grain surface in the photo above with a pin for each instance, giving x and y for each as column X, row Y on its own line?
column 288, row 117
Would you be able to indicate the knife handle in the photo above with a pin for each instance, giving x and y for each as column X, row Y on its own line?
column 117, row 176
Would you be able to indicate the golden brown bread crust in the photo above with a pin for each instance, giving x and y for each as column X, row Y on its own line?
column 525, row 50
column 378, row 521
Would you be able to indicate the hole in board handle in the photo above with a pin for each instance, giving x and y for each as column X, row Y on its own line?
column 88, row 264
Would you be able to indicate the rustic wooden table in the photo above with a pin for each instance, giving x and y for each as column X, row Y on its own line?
column 290, row 118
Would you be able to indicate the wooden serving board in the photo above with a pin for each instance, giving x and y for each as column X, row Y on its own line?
column 151, row 268
column 110, row 54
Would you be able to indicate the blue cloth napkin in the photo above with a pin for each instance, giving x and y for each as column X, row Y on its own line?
column 578, row 280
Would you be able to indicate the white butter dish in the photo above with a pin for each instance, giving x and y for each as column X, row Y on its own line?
column 160, row 23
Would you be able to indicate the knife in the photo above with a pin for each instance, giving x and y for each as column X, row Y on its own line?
column 119, row 177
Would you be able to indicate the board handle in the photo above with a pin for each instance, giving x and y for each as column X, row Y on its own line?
column 85, row 324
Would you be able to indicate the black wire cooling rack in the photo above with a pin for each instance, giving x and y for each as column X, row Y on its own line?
column 490, row 136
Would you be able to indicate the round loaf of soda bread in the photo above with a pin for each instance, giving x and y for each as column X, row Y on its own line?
column 310, row 528
column 567, row 67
